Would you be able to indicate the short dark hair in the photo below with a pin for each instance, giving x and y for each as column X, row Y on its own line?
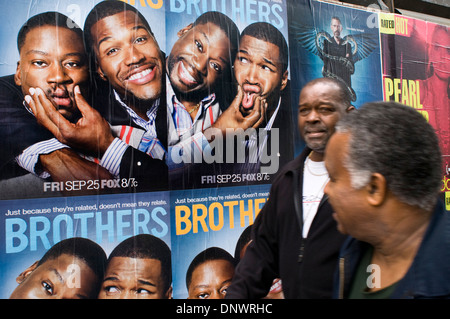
column 82, row 248
column 244, row 239
column 51, row 18
column 146, row 246
column 225, row 24
column 103, row 10
column 343, row 92
column 212, row 253
column 266, row 32
column 336, row 18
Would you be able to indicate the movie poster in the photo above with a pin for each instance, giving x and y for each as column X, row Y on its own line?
column 246, row 88
column 62, row 221
column 30, row 228
column 215, row 193
column 329, row 40
column 34, row 163
column 207, row 224
column 416, row 73
column 177, row 172
column 50, row 210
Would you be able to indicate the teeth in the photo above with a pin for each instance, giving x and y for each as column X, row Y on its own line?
column 186, row 74
column 139, row 75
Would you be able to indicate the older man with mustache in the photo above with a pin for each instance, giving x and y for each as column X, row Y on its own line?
column 294, row 236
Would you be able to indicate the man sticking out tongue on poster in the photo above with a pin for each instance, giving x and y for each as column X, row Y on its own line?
column 260, row 69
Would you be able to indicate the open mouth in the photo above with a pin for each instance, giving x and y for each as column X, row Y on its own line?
column 250, row 94
column 141, row 76
column 186, row 75
column 276, row 286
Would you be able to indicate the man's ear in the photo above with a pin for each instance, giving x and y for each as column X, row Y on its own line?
column 185, row 29
column 169, row 293
column 376, row 189
column 18, row 75
column 24, row 274
column 350, row 108
column 284, row 80
column 101, row 74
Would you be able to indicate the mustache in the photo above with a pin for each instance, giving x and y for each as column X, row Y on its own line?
column 314, row 128
column 59, row 92
column 131, row 70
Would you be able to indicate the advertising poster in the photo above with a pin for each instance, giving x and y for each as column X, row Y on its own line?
column 93, row 156
column 63, row 216
column 228, row 113
column 416, row 73
column 30, row 228
column 207, row 224
column 329, row 40
column 156, row 134
column 53, row 207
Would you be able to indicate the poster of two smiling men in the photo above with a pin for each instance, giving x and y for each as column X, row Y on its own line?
column 154, row 133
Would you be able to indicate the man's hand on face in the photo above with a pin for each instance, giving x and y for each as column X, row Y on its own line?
column 232, row 117
column 91, row 133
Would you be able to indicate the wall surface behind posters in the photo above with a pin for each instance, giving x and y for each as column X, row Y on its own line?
column 206, row 205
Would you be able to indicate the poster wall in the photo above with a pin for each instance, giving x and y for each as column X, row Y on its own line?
column 157, row 132
column 328, row 40
column 416, row 73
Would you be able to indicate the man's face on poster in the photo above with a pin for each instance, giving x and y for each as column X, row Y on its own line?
column 128, row 55
column 336, row 28
column 259, row 71
column 198, row 59
column 211, row 279
column 134, row 278
column 53, row 59
column 439, row 53
column 65, row 277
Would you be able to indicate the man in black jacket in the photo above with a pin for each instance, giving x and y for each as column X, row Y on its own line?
column 295, row 237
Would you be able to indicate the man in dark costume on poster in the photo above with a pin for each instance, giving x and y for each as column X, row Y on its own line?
column 338, row 57
column 339, row 54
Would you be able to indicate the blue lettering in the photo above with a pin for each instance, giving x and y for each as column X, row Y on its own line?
column 108, row 227
column 35, row 233
column 121, row 224
column 235, row 9
column 40, row 232
column 280, row 22
column 250, row 11
column 264, row 11
column 57, row 228
column 141, row 224
column 18, row 234
column 194, row 4
column 175, row 8
column 224, row 6
column 83, row 217
column 160, row 222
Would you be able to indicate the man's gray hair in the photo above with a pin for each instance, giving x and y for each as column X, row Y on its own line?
column 396, row 141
